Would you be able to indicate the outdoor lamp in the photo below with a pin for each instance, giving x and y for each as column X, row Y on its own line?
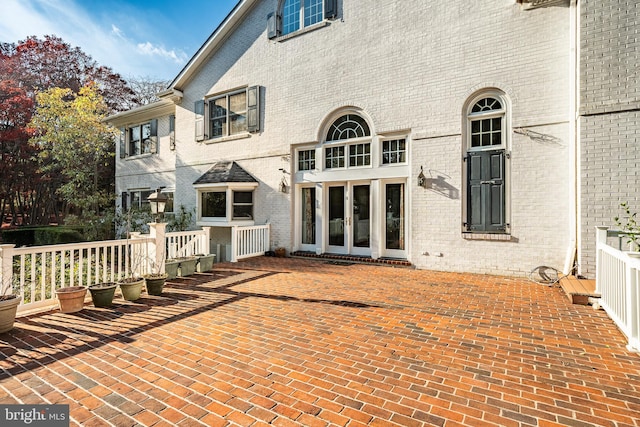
column 157, row 202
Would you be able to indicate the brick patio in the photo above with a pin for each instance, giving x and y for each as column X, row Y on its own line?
column 308, row 342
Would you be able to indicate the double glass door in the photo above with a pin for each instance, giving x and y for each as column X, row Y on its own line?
column 358, row 218
column 349, row 219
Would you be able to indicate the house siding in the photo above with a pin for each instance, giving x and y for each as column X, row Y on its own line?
column 409, row 67
column 610, row 118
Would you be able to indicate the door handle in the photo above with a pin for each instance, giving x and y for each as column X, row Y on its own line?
column 488, row 182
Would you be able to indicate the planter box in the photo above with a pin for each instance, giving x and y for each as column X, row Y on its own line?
column 205, row 263
column 187, row 266
column 171, row 268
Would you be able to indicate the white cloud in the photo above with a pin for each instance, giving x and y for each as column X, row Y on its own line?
column 106, row 42
column 148, row 48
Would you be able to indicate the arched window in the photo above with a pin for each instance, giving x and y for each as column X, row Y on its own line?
column 486, row 164
column 348, row 126
column 355, row 152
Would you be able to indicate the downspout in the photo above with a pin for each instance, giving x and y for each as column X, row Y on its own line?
column 574, row 137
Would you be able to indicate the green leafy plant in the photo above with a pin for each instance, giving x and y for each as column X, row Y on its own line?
column 182, row 220
column 629, row 225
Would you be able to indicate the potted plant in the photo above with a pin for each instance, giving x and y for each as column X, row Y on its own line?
column 630, row 228
column 71, row 298
column 102, row 293
column 205, row 262
column 131, row 287
column 155, row 282
column 8, row 301
column 8, row 309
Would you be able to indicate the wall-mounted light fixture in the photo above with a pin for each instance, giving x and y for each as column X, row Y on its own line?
column 421, row 178
column 284, row 186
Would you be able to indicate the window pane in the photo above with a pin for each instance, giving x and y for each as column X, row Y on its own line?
column 306, row 160
column 308, row 216
column 312, row 12
column 219, row 107
column 393, row 151
column 290, row 16
column 214, row 204
column 243, row 211
column 238, row 124
column 242, row 197
column 218, row 127
column 238, row 103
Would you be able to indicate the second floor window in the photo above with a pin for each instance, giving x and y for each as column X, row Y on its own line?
column 228, row 114
column 139, row 139
column 298, row 14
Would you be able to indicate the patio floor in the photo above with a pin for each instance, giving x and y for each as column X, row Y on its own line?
column 310, row 342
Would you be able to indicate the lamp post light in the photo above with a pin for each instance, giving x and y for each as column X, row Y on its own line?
column 157, row 202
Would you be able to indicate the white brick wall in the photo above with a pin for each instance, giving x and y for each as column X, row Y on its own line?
column 610, row 123
column 409, row 65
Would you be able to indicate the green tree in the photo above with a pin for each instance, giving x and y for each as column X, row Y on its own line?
column 76, row 144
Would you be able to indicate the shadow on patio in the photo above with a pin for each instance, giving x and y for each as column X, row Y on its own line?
column 302, row 342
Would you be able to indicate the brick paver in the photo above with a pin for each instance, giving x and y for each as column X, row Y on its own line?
column 307, row 342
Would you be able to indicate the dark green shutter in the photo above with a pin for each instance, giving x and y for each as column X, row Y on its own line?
column 330, row 9
column 123, row 145
column 274, row 25
column 198, row 109
column 486, row 191
column 253, row 109
column 154, row 136
column 123, row 202
column 172, row 132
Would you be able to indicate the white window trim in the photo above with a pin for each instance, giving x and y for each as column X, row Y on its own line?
column 505, row 112
column 227, row 188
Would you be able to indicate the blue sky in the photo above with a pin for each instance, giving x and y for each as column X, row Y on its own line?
column 136, row 38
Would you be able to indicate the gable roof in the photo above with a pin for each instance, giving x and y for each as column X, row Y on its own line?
column 216, row 38
column 225, row 172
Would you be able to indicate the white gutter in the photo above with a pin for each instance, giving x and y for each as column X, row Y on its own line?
column 574, row 135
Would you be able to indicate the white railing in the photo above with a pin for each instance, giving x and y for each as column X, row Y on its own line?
column 249, row 241
column 187, row 243
column 34, row 273
column 618, row 283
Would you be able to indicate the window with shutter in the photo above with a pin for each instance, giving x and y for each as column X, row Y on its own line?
column 295, row 15
column 486, row 157
column 229, row 114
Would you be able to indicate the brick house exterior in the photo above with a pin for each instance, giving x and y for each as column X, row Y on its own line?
column 441, row 132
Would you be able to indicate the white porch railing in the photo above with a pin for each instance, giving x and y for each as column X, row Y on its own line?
column 187, row 243
column 618, row 283
column 249, row 241
column 36, row 272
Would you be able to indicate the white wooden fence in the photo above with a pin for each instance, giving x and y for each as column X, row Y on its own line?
column 249, row 241
column 36, row 272
column 618, row 283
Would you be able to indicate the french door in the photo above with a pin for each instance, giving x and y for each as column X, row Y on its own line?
column 348, row 218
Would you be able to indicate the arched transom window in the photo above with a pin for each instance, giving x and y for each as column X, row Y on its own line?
column 487, row 123
column 347, row 127
column 355, row 152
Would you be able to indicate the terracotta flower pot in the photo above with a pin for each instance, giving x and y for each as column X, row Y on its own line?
column 8, row 309
column 71, row 298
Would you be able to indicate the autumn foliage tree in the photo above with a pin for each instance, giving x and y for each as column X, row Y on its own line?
column 75, row 143
column 31, row 192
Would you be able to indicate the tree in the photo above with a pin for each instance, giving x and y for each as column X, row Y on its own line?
column 27, row 68
column 146, row 89
column 75, row 143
